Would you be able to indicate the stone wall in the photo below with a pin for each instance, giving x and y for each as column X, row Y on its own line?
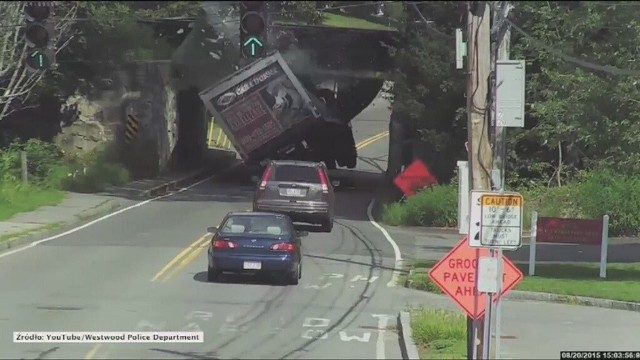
column 141, row 90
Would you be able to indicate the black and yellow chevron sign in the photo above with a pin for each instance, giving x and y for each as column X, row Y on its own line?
column 131, row 129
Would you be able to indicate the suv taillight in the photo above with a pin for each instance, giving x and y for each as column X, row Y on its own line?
column 221, row 243
column 323, row 181
column 288, row 247
column 265, row 178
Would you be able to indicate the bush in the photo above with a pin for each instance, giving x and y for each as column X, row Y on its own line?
column 97, row 177
column 434, row 206
column 96, row 171
column 42, row 158
column 592, row 195
column 604, row 192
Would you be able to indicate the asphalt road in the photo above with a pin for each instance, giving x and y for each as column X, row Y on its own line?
column 131, row 272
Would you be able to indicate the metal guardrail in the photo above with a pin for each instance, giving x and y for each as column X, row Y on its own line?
column 217, row 139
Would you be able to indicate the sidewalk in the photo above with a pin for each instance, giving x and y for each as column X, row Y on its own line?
column 77, row 209
column 537, row 330
column 46, row 221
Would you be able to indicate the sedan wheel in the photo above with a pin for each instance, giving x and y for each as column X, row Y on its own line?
column 296, row 275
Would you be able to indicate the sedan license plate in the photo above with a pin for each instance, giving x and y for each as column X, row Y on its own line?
column 252, row 265
column 292, row 192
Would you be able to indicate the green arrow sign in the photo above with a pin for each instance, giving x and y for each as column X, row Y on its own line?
column 254, row 44
column 39, row 58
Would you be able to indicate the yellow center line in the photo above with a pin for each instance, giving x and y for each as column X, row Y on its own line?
column 186, row 261
column 92, row 353
column 189, row 254
column 182, row 254
column 371, row 140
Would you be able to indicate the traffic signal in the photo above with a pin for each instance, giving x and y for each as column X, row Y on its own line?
column 39, row 35
column 253, row 29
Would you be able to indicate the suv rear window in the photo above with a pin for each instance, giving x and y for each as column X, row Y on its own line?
column 295, row 173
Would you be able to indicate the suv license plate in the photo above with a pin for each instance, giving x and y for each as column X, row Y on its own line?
column 252, row 265
column 293, row 192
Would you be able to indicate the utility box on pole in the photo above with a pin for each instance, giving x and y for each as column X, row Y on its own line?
column 510, row 93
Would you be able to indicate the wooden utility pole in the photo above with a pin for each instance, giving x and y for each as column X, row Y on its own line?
column 503, row 42
column 479, row 69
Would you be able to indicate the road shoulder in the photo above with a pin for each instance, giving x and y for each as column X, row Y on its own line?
column 75, row 210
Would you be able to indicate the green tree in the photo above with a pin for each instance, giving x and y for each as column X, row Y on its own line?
column 577, row 118
column 428, row 90
column 109, row 35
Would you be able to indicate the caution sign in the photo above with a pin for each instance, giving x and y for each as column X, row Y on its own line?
column 131, row 129
column 501, row 220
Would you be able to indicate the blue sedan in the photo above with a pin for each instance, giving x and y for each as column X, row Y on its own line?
column 256, row 243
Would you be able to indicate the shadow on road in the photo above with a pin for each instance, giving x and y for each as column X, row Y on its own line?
column 356, row 263
column 257, row 279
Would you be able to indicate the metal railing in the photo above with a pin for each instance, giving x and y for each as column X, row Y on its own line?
column 217, row 139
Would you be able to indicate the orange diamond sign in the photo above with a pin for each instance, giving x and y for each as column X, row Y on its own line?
column 455, row 274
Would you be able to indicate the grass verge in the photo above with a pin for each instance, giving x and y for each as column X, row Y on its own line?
column 17, row 198
column 439, row 334
column 563, row 279
column 341, row 21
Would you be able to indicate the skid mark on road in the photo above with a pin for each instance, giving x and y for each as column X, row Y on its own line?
column 362, row 301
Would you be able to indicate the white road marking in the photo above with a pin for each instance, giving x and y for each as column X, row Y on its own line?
column 315, row 334
column 364, row 338
column 202, row 315
column 394, row 245
column 145, row 325
column 333, row 276
column 364, row 278
column 316, row 322
column 383, row 322
column 118, row 212
column 318, row 287
column 191, row 327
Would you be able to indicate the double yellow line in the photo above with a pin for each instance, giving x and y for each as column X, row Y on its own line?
column 368, row 141
column 184, row 258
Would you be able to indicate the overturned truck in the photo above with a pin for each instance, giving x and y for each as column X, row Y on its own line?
column 267, row 113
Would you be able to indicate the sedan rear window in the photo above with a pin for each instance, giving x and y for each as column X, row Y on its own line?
column 294, row 173
column 256, row 225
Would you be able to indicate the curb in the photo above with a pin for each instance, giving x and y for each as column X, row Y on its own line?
column 408, row 348
column 174, row 185
column 86, row 216
column 573, row 300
